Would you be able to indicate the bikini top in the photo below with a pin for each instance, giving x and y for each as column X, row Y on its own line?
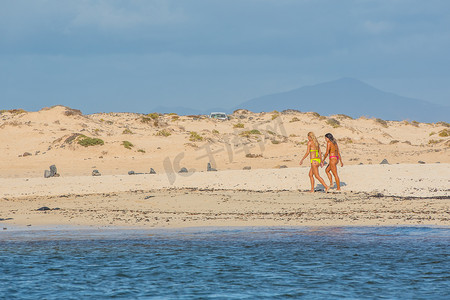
column 317, row 152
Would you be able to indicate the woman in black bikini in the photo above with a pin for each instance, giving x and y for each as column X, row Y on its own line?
column 335, row 157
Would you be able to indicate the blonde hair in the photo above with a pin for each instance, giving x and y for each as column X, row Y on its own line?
column 313, row 138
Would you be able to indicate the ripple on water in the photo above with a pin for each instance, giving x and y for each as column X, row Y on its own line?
column 326, row 262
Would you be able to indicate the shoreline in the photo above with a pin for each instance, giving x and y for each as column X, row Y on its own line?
column 375, row 195
column 188, row 208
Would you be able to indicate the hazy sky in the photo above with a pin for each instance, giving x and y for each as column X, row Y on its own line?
column 130, row 55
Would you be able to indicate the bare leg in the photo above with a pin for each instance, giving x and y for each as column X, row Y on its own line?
column 334, row 171
column 312, row 179
column 327, row 171
column 315, row 170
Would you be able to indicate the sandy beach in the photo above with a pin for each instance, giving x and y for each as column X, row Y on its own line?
column 272, row 192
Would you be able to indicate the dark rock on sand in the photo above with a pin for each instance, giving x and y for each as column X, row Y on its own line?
column 53, row 170
column 131, row 173
column 52, row 173
column 26, row 154
column 183, row 170
column 247, row 168
column 43, row 208
column 152, row 171
column 96, row 173
column 384, row 162
column 421, row 162
column 209, row 168
column 283, row 167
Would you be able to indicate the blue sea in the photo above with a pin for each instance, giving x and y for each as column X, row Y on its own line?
column 227, row 263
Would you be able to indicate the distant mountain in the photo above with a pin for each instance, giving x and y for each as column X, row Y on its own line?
column 351, row 97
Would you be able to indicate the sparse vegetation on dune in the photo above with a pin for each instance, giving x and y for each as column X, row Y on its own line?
column 346, row 140
column 127, row 144
column 195, row 137
column 241, row 111
column 343, row 117
column 153, row 116
column 238, row 125
column 444, row 133
column 86, row 141
column 415, row 123
column 381, row 122
column 249, row 133
column 127, row 131
column 434, row 142
column 294, row 119
column 164, row 132
column 333, row 123
column 445, row 124
column 13, row 111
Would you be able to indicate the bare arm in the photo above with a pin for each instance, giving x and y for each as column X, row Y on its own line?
column 320, row 156
column 339, row 155
column 327, row 151
column 307, row 152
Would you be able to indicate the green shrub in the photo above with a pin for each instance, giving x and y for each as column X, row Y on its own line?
column 433, row 142
column 127, row 144
column 214, row 131
column 88, row 141
column 127, row 131
column 432, row 133
column 146, row 120
column 153, row 116
column 195, row 137
column 275, row 116
column 141, row 150
column 248, row 133
column 415, row 123
column 342, row 116
column 164, row 132
column 238, row 125
column 275, row 142
column 382, row 122
column 445, row 124
column 333, row 123
column 444, row 133
column 294, row 119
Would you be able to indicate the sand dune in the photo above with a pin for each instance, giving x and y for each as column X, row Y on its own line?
column 273, row 192
column 258, row 140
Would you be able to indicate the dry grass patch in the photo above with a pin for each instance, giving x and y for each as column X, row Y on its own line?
column 381, row 122
column 444, row 133
column 127, row 144
column 164, row 132
column 195, row 137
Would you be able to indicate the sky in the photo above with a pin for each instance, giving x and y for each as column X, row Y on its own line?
column 133, row 56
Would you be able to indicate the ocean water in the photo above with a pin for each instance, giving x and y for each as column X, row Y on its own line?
column 230, row 263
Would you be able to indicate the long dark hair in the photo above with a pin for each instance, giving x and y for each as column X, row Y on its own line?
column 331, row 138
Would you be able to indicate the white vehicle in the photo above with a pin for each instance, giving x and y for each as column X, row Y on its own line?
column 218, row 116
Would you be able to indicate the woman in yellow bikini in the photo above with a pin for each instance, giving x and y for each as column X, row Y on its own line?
column 315, row 155
column 335, row 157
